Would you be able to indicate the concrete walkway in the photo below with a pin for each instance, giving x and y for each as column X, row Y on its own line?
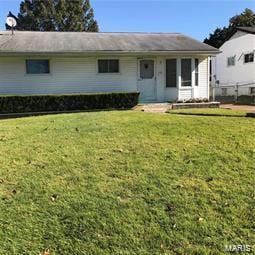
column 155, row 107
column 163, row 107
column 247, row 108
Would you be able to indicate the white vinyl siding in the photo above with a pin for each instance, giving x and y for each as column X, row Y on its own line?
column 80, row 75
column 241, row 73
column 68, row 75
column 185, row 93
column 203, row 78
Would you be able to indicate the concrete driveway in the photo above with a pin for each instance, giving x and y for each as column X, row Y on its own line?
column 247, row 108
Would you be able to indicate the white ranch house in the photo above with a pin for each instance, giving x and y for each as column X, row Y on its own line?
column 162, row 67
column 233, row 70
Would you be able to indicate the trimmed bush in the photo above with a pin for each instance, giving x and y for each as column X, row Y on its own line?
column 49, row 103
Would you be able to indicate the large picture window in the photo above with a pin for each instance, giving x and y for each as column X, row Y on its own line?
column 171, row 73
column 108, row 66
column 186, row 72
column 37, row 66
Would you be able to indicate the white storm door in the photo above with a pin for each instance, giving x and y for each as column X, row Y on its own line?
column 146, row 79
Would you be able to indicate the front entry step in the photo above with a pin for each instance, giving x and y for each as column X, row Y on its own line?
column 156, row 107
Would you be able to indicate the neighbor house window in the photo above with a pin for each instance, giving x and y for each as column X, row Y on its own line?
column 231, row 61
column 108, row 66
column 171, row 73
column 196, row 71
column 224, row 91
column 252, row 90
column 186, row 72
column 37, row 66
column 248, row 58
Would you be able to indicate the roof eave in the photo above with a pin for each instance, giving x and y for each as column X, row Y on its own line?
column 245, row 30
column 92, row 53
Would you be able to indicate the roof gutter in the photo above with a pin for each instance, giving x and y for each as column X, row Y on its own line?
column 96, row 53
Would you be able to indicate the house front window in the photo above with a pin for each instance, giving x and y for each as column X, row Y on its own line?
column 37, row 66
column 196, row 71
column 171, row 73
column 249, row 58
column 186, row 72
column 231, row 61
column 108, row 66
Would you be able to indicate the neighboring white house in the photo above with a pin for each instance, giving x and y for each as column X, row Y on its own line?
column 162, row 67
column 233, row 70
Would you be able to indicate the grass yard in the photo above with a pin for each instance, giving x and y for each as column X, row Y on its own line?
column 209, row 112
column 125, row 182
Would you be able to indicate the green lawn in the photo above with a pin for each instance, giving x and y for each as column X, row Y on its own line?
column 209, row 112
column 126, row 182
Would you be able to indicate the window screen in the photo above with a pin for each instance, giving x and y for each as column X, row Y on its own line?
column 171, row 73
column 37, row 66
column 147, row 69
column 186, row 72
column 196, row 71
column 249, row 58
column 108, row 66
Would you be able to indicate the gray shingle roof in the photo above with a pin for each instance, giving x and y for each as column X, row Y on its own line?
column 82, row 42
column 250, row 30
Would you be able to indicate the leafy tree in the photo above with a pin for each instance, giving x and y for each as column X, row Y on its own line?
column 245, row 19
column 56, row 15
column 221, row 35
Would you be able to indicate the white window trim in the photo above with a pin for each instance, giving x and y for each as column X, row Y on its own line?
column 37, row 74
column 192, row 73
column 107, row 58
column 246, row 53
column 177, row 73
column 198, row 72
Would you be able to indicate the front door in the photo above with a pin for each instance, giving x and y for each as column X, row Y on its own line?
column 146, row 80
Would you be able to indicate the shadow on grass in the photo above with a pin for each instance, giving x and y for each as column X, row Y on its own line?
column 4, row 116
column 208, row 114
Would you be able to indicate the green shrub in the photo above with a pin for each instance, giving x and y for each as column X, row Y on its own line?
column 48, row 103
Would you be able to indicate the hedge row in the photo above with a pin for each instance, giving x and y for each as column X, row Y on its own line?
column 48, row 103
